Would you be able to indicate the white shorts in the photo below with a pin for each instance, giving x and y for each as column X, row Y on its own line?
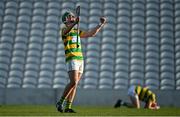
column 131, row 91
column 75, row 65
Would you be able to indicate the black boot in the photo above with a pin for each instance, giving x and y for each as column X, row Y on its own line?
column 59, row 107
column 118, row 103
column 69, row 111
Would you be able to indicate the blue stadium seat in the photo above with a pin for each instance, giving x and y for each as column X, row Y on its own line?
column 105, row 83
column 90, row 83
column 60, row 82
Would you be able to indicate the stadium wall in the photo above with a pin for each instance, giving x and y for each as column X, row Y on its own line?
column 84, row 97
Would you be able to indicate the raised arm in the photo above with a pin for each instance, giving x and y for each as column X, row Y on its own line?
column 95, row 30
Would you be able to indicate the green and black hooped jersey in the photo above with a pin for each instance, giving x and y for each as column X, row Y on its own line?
column 70, row 45
column 145, row 94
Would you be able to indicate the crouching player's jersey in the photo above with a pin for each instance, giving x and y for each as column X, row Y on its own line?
column 72, row 52
column 145, row 94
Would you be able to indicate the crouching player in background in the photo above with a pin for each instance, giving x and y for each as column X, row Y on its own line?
column 137, row 94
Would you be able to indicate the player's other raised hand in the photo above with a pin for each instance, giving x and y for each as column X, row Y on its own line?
column 102, row 20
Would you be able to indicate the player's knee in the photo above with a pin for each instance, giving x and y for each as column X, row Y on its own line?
column 74, row 83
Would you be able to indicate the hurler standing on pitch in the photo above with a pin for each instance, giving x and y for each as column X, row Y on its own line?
column 74, row 56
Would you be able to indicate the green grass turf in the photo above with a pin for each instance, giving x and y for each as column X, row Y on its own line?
column 50, row 110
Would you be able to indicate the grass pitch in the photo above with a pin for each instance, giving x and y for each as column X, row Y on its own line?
column 50, row 110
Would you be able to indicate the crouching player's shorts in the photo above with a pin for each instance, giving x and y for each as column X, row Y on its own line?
column 75, row 65
column 131, row 91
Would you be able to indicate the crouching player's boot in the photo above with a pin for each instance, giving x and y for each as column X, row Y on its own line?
column 68, row 108
column 118, row 103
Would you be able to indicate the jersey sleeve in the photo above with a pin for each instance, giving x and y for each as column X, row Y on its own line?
column 61, row 32
column 153, row 98
column 81, row 33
